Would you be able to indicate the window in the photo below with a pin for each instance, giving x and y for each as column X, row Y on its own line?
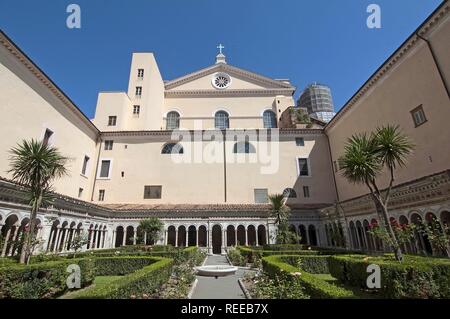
column 85, row 165
column 101, row 195
column 303, row 169
column 152, row 192
column 140, row 73
column 80, row 192
column 221, row 120
column 289, row 193
column 269, row 119
column 172, row 121
column 138, row 91
column 418, row 116
column 47, row 135
column 112, row 120
column 109, row 145
column 261, row 196
column 306, row 191
column 299, row 141
column 243, row 147
column 172, row 148
column 104, row 169
column 136, row 110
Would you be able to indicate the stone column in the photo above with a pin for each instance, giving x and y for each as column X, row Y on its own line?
column 14, row 238
column 5, row 244
column 176, row 237
column 196, row 236
column 257, row 239
column 100, row 239
column 307, row 235
column 124, row 241
column 186, row 237
column 235, row 237
column 66, row 239
column 246, row 236
column 145, row 238
column 134, row 236
column 224, row 239
column 166, row 237
column 113, row 241
column 58, row 236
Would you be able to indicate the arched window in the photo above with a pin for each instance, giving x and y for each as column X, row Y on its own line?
column 270, row 119
column 221, row 120
column 243, row 147
column 289, row 193
column 172, row 148
column 173, row 121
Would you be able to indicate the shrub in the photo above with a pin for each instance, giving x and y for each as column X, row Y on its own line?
column 119, row 266
column 236, row 258
column 314, row 286
column 311, row 264
column 135, row 285
column 43, row 280
column 415, row 277
column 280, row 287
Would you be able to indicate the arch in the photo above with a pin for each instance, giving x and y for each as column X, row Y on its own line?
column 312, row 235
column 129, row 240
column 369, row 237
column 119, row 236
column 241, row 236
column 269, row 119
column 231, row 236
column 192, row 236
column 303, row 235
column 251, row 235
column 221, row 120
column 262, row 235
column 171, row 236
column 361, row 235
column 217, row 239
column 181, row 236
column 421, row 240
column 354, row 237
column 243, row 148
column 289, row 193
column 202, row 236
column 172, row 148
column 172, row 121
column 445, row 218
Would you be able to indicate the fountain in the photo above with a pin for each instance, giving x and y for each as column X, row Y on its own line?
column 216, row 270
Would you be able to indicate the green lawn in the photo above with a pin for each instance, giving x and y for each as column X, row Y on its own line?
column 99, row 281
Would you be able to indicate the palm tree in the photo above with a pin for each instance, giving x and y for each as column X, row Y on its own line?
column 366, row 157
column 279, row 210
column 34, row 164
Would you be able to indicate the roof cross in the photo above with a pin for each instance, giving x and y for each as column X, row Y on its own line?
column 220, row 47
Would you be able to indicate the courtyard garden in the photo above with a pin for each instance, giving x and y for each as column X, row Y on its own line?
column 299, row 272
column 136, row 272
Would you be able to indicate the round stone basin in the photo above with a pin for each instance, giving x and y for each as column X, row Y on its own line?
column 216, row 270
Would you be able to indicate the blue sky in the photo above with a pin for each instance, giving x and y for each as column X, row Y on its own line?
column 306, row 41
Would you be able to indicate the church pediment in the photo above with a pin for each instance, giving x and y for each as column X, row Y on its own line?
column 223, row 77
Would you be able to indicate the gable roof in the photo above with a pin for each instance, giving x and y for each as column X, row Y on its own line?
column 222, row 67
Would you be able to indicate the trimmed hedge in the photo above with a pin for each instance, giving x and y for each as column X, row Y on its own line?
column 252, row 254
column 314, row 286
column 119, row 266
column 415, row 277
column 43, row 280
column 311, row 264
column 134, row 285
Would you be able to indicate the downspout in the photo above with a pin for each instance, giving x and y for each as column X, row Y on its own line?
column 99, row 147
column 336, row 190
column 436, row 63
column 224, row 166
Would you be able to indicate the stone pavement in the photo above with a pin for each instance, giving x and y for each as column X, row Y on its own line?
column 222, row 287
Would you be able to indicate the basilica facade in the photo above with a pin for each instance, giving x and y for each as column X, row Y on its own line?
column 203, row 152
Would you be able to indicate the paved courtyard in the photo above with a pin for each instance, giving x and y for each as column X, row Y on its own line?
column 222, row 287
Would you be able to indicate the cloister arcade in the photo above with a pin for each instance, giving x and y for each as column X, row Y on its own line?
column 56, row 233
column 360, row 238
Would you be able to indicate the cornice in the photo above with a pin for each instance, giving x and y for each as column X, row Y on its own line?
column 425, row 28
column 164, row 133
column 227, row 93
column 15, row 51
